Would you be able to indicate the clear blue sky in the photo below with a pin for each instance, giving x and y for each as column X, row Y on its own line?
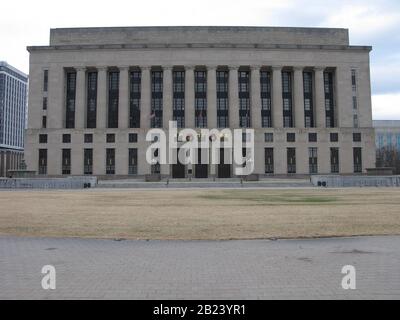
column 373, row 22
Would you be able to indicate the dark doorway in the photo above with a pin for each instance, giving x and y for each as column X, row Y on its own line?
column 224, row 170
column 201, row 170
column 178, row 169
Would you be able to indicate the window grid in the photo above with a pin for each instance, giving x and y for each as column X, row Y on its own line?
column 200, row 99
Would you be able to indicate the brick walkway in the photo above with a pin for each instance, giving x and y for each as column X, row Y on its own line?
column 105, row 269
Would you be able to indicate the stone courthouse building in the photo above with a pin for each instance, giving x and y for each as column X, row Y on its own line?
column 95, row 92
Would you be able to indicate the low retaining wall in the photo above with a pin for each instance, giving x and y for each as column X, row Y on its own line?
column 355, row 181
column 49, row 183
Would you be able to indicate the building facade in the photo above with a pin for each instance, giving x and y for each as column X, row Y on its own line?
column 13, row 107
column 388, row 143
column 95, row 93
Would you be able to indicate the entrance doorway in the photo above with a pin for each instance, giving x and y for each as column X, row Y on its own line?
column 201, row 170
column 224, row 170
column 178, row 169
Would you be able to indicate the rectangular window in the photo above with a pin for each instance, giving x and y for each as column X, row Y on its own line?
column 110, row 161
column 334, row 137
column 334, row 160
column 42, row 138
column 91, row 116
column 329, row 99
column 200, row 79
column 133, row 161
column 70, row 100
column 357, row 137
column 88, row 138
column 222, row 99
column 110, row 138
column 113, row 99
column 66, row 138
column 45, row 103
column 45, row 80
column 44, row 122
column 354, row 80
column 156, row 99
column 88, row 161
column 179, row 98
column 133, row 138
column 244, row 99
column 355, row 121
column 308, row 99
column 266, row 102
column 312, row 137
column 66, row 161
column 269, row 137
column 287, row 99
column 291, row 160
column 291, row 137
column 42, row 161
column 354, row 103
column 313, row 160
column 269, row 160
column 357, row 158
column 135, row 96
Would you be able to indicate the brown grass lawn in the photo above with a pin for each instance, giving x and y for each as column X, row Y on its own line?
column 200, row 214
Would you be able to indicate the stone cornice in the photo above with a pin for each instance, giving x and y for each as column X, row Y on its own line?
column 199, row 45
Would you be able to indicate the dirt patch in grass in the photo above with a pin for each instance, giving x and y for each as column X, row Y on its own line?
column 200, row 214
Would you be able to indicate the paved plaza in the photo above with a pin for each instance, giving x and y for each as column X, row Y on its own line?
column 258, row 269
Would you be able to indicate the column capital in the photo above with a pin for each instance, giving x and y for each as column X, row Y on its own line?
column 80, row 69
column 255, row 67
column 102, row 68
column 277, row 68
column 319, row 68
column 190, row 68
column 211, row 68
column 123, row 68
column 233, row 68
column 298, row 68
column 167, row 68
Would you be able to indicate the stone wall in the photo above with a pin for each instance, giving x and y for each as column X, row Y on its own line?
column 48, row 183
column 355, row 181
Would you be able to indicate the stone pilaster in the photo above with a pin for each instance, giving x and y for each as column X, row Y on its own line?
column 167, row 96
column 80, row 103
column 277, row 100
column 123, row 112
column 145, row 98
column 320, row 113
column 299, row 98
column 189, row 97
column 212, row 96
column 102, row 94
column 233, row 97
column 255, row 96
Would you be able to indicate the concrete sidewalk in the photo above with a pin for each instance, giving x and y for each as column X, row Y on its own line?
column 288, row 269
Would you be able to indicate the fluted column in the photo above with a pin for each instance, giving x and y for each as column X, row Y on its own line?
column 102, row 88
column 299, row 98
column 123, row 113
column 80, row 114
column 233, row 97
column 277, row 99
column 189, row 97
column 212, row 96
column 145, row 98
column 167, row 96
column 255, row 95
column 320, row 112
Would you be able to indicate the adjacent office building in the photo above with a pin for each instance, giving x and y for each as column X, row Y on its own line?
column 13, row 103
column 388, row 143
column 95, row 93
